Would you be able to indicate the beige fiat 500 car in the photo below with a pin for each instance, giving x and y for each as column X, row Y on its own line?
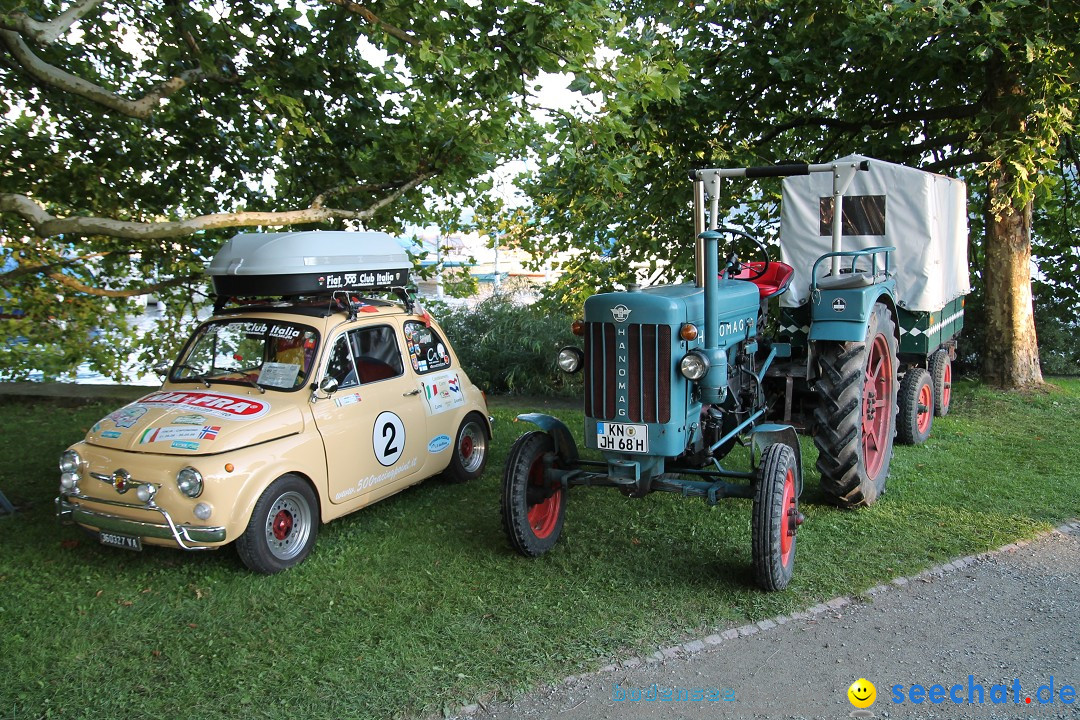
column 299, row 401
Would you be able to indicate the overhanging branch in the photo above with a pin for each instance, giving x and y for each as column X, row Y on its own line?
column 46, row 33
column 63, row 80
column 46, row 225
column 375, row 20
column 73, row 284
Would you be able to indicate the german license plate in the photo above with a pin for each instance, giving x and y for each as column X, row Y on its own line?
column 121, row 541
column 622, row 437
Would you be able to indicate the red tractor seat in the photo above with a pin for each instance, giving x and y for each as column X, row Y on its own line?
column 774, row 281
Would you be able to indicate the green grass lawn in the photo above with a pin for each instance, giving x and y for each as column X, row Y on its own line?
column 418, row 604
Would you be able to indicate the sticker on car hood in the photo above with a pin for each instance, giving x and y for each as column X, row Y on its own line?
column 168, row 434
column 222, row 405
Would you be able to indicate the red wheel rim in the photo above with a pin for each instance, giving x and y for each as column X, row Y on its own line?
column 946, row 384
column 283, row 524
column 877, row 400
column 926, row 407
column 544, row 515
column 466, row 447
column 791, row 515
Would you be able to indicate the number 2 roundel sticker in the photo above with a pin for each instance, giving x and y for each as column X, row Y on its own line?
column 388, row 438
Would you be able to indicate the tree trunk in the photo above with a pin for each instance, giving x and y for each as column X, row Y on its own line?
column 1011, row 355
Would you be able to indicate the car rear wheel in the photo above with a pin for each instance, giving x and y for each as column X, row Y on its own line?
column 470, row 450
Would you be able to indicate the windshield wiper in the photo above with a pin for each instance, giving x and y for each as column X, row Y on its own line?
column 244, row 376
column 196, row 376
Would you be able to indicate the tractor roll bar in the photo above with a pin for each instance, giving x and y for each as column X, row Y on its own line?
column 707, row 182
column 782, row 170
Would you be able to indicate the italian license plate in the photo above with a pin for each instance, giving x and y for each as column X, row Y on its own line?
column 622, row 437
column 121, row 541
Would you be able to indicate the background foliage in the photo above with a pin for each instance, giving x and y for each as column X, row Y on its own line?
column 141, row 135
column 509, row 348
column 985, row 90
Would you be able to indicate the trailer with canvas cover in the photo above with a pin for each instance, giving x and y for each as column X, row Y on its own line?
column 923, row 216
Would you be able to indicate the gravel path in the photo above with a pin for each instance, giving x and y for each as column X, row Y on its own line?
column 1010, row 617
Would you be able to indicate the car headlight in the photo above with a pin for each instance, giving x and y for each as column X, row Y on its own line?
column 190, row 482
column 70, row 462
column 694, row 365
column 570, row 359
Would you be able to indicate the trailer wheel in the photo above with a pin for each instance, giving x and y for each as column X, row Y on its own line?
column 532, row 518
column 775, row 518
column 941, row 372
column 855, row 419
column 916, row 407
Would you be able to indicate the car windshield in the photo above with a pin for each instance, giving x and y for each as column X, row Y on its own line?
column 265, row 353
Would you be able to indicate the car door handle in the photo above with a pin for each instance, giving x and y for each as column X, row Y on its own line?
column 413, row 392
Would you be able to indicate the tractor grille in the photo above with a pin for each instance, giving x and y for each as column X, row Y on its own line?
column 645, row 386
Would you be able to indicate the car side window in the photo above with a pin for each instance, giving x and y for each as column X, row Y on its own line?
column 376, row 353
column 340, row 366
column 427, row 351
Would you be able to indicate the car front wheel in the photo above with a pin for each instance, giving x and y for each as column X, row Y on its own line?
column 282, row 528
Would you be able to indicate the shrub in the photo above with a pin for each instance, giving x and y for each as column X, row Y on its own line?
column 510, row 348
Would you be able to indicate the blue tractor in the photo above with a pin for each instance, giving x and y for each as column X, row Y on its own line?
column 676, row 375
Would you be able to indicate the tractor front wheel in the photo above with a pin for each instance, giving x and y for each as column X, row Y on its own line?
column 776, row 518
column 532, row 514
column 916, row 407
column 855, row 419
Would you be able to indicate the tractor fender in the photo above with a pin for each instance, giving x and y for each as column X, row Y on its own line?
column 565, row 447
column 842, row 315
column 766, row 434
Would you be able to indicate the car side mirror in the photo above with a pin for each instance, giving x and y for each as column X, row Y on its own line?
column 329, row 385
column 162, row 368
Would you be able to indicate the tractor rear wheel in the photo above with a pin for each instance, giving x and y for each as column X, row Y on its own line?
column 916, row 407
column 855, row 420
column 941, row 372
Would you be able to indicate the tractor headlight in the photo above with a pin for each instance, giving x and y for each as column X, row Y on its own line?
column 70, row 462
column 190, row 482
column 694, row 365
column 571, row 359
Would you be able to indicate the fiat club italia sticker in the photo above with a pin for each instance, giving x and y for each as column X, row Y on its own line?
column 228, row 407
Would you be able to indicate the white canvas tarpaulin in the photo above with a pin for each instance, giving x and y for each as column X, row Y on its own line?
column 925, row 218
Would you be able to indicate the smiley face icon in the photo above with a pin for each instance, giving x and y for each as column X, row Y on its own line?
column 862, row 693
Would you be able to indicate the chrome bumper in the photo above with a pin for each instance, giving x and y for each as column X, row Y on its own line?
column 182, row 535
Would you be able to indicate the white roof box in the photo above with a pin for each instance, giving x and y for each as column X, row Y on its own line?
column 308, row 263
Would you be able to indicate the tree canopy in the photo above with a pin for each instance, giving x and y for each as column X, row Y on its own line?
column 138, row 135
column 982, row 89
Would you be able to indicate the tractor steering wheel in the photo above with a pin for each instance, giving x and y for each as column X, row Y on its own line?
column 734, row 265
